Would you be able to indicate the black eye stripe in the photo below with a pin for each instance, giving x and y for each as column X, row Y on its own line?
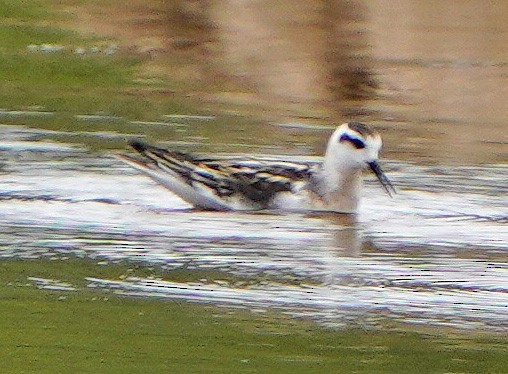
column 357, row 143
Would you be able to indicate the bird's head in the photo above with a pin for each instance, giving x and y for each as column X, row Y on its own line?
column 356, row 146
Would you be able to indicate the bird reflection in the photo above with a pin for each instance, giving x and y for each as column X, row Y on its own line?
column 345, row 233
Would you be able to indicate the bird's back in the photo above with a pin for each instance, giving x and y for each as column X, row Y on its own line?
column 253, row 182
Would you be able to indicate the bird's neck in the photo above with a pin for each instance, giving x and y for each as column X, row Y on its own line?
column 340, row 186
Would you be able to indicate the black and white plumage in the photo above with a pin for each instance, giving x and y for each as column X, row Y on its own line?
column 253, row 184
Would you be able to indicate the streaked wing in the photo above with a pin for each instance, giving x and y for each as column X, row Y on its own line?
column 193, row 170
column 260, row 180
column 257, row 180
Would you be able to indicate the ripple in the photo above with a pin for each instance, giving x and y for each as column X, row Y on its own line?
column 434, row 254
column 337, row 305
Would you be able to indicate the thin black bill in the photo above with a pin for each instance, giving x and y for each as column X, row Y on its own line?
column 382, row 178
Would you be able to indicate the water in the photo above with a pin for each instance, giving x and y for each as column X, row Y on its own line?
column 434, row 254
column 431, row 76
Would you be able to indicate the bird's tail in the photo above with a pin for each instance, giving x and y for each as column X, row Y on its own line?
column 162, row 167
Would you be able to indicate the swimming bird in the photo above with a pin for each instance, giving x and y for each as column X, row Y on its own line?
column 214, row 183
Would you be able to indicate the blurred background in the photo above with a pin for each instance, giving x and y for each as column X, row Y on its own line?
column 431, row 75
column 79, row 78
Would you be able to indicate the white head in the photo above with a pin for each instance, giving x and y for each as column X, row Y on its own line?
column 353, row 147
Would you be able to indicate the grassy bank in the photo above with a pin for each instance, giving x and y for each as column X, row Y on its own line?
column 93, row 331
column 63, row 61
column 48, row 64
column 88, row 330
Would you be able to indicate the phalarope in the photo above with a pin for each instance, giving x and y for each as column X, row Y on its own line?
column 252, row 184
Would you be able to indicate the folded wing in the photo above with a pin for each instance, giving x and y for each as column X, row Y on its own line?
column 220, row 180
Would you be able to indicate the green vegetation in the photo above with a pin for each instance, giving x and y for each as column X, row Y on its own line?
column 14, row 38
column 70, row 83
column 124, row 87
column 89, row 331
column 65, row 72
column 95, row 331
column 23, row 10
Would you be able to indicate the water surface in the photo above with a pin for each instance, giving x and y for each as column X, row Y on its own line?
column 434, row 254
column 276, row 78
